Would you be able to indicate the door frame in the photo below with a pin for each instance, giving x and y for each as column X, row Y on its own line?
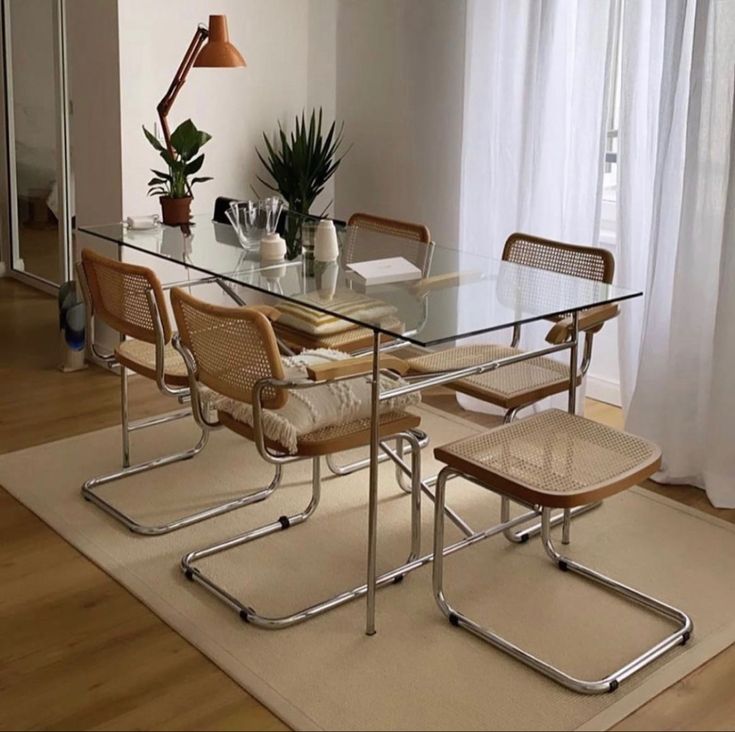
column 11, row 254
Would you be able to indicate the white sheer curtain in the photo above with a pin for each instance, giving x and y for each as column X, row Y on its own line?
column 677, row 236
column 533, row 134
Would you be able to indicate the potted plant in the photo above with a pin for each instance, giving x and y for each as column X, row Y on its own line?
column 300, row 166
column 175, row 187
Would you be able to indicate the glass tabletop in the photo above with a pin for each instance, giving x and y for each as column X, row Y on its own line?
column 452, row 295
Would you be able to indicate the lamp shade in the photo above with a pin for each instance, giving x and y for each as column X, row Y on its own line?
column 218, row 51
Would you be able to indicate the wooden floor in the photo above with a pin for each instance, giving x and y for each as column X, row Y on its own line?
column 79, row 652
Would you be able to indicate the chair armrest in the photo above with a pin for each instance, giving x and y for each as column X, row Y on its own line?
column 268, row 310
column 354, row 367
column 449, row 279
column 589, row 321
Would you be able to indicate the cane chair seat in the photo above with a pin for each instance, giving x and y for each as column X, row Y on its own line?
column 335, row 438
column 140, row 356
column 507, row 387
column 554, row 459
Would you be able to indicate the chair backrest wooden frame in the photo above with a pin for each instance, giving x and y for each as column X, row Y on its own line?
column 576, row 260
column 119, row 294
column 233, row 348
column 411, row 232
column 592, row 263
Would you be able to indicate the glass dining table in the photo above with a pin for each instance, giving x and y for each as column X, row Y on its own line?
column 455, row 295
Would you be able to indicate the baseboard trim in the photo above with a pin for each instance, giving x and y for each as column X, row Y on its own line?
column 604, row 390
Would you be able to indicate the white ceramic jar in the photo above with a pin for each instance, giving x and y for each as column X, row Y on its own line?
column 326, row 245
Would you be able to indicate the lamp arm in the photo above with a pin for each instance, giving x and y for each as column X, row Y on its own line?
column 164, row 106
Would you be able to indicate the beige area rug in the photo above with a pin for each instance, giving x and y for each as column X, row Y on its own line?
column 417, row 672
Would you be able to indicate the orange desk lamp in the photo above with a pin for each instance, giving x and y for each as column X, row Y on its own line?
column 209, row 48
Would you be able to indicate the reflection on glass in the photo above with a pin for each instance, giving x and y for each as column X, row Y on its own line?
column 423, row 311
column 35, row 118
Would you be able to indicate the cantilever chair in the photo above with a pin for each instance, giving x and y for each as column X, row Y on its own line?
column 416, row 247
column 130, row 299
column 514, row 387
column 233, row 364
column 554, row 459
column 520, row 385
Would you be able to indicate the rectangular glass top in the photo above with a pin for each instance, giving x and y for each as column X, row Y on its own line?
column 457, row 295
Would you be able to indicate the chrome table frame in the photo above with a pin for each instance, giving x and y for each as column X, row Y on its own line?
column 606, row 684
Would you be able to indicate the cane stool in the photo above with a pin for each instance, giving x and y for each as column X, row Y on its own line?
column 554, row 459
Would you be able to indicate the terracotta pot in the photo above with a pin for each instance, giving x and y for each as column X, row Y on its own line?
column 176, row 211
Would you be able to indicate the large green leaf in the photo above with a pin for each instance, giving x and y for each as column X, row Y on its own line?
column 187, row 139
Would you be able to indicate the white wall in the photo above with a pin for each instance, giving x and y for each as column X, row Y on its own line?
column 234, row 105
column 94, row 94
column 322, row 77
column 400, row 71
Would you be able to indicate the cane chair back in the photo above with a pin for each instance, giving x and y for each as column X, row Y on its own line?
column 374, row 237
column 233, row 348
column 118, row 293
column 592, row 263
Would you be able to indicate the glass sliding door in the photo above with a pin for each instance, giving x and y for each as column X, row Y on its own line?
column 37, row 138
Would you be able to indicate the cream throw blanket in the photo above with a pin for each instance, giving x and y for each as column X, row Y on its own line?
column 314, row 408
column 346, row 302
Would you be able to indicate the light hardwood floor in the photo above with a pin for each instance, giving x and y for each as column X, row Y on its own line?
column 79, row 652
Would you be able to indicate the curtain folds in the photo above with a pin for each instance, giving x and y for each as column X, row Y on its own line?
column 676, row 236
column 533, row 133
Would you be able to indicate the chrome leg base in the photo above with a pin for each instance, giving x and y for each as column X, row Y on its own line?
column 563, row 517
column 394, row 576
column 248, row 613
column 88, row 493
column 609, row 683
column 356, row 465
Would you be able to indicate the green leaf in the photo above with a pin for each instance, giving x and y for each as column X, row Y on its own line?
column 187, row 139
column 202, row 179
column 301, row 162
column 153, row 139
column 194, row 165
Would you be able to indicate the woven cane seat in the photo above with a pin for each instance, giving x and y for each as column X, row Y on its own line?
column 554, row 459
column 509, row 386
column 140, row 357
column 336, row 438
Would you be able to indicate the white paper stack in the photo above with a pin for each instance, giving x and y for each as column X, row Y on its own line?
column 384, row 271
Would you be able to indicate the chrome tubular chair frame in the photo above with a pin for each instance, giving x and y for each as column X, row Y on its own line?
column 607, row 684
column 182, row 394
column 246, row 611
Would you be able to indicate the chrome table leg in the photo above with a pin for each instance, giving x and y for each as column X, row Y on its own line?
column 373, row 489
